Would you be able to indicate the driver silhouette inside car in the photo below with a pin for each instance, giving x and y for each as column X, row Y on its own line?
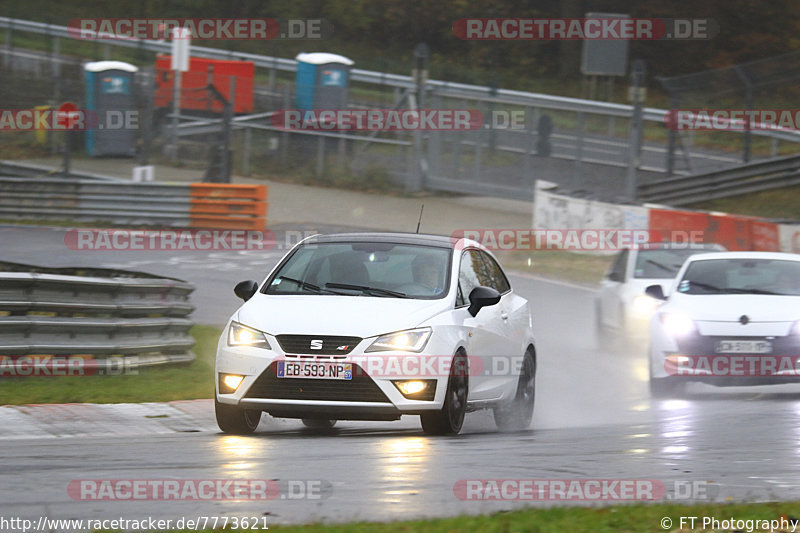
column 427, row 273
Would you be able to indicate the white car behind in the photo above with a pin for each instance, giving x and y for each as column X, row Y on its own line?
column 622, row 309
column 729, row 319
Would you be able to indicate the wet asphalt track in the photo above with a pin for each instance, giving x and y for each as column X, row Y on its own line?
column 594, row 420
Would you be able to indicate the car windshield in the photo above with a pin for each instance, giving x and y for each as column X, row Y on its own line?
column 742, row 276
column 662, row 262
column 376, row 269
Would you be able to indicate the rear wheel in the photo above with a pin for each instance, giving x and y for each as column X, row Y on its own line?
column 449, row 419
column 517, row 414
column 318, row 423
column 665, row 387
column 234, row 419
column 603, row 336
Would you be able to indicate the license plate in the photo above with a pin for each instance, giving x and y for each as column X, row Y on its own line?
column 744, row 347
column 314, row 370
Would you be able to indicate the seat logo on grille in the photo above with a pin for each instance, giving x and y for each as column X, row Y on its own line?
column 315, row 344
column 343, row 348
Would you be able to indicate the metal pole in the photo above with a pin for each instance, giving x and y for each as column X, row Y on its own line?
column 635, row 145
column 248, row 141
column 227, row 163
column 176, row 106
column 672, row 137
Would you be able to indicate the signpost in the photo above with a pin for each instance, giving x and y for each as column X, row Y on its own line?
column 181, row 41
column 67, row 117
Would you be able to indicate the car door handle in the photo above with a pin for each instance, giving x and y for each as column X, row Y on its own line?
column 503, row 315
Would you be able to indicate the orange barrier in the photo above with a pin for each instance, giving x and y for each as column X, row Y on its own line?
column 228, row 206
column 732, row 231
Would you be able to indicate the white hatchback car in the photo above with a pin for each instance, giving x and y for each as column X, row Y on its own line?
column 730, row 318
column 621, row 306
column 372, row 326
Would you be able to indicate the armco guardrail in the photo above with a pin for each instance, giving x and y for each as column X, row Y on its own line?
column 744, row 179
column 195, row 205
column 101, row 317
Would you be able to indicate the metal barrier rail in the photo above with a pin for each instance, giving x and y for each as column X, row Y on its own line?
column 763, row 175
column 94, row 314
column 439, row 87
column 196, row 205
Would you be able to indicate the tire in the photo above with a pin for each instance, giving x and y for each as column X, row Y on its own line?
column 517, row 414
column 665, row 388
column 235, row 420
column 318, row 423
column 668, row 387
column 603, row 337
column 449, row 419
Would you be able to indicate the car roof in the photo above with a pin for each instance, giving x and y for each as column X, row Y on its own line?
column 397, row 238
column 745, row 255
column 679, row 246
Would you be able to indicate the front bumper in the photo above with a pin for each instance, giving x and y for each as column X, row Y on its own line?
column 697, row 358
column 365, row 397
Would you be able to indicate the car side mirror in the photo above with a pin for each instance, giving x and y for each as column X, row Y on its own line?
column 481, row 297
column 245, row 289
column 615, row 276
column 655, row 291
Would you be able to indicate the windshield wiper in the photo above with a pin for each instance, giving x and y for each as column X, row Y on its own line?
column 706, row 286
column 747, row 291
column 307, row 285
column 365, row 288
column 661, row 266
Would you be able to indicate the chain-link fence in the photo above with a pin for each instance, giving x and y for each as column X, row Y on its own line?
column 579, row 144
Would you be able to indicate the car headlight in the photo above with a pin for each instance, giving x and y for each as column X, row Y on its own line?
column 677, row 324
column 644, row 304
column 410, row 340
column 240, row 335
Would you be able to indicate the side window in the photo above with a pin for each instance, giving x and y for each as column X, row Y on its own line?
column 617, row 270
column 472, row 273
column 498, row 277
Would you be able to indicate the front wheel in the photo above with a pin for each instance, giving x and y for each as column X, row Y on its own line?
column 517, row 414
column 665, row 388
column 233, row 419
column 450, row 418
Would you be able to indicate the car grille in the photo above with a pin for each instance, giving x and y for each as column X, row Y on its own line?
column 331, row 345
column 359, row 389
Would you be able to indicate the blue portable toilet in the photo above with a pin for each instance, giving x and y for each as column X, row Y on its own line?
column 110, row 96
column 323, row 81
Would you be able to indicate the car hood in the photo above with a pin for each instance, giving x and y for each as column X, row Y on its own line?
column 729, row 307
column 361, row 316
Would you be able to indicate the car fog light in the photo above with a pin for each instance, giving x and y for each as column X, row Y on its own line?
column 417, row 389
column 228, row 383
